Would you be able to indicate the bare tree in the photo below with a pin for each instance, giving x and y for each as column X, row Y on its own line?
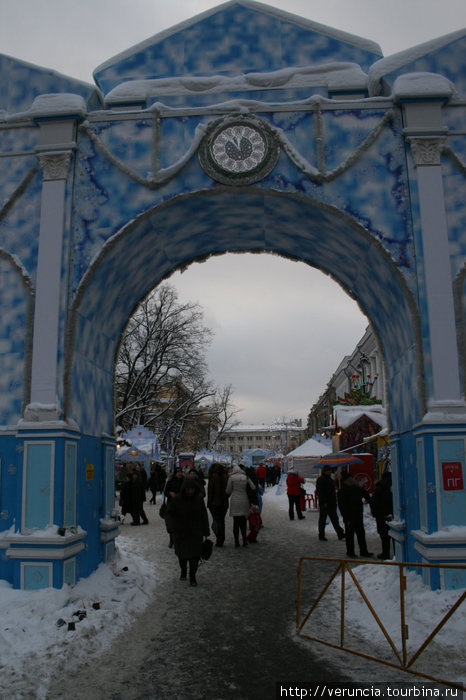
column 164, row 343
column 161, row 377
column 224, row 414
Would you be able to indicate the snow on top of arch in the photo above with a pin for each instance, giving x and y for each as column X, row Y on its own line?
column 396, row 61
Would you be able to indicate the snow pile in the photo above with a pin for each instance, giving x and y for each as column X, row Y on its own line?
column 45, row 629
column 424, row 608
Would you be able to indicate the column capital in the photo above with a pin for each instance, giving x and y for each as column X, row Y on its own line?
column 426, row 150
column 55, row 164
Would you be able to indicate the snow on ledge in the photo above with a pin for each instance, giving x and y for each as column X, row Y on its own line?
column 337, row 75
column 422, row 85
column 47, row 535
column 52, row 105
column 453, row 534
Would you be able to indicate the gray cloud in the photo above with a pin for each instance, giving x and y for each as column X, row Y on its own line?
column 281, row 329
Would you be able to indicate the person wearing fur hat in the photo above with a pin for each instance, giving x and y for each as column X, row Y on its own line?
column 236, row 489
column 188, row 522
column 350, row 502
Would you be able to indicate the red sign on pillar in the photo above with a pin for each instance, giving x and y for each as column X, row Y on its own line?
column 452, row 473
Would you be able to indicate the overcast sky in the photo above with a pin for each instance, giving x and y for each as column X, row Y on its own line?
column 281, row 328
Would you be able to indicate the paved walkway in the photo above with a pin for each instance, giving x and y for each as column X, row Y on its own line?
column 233, row 636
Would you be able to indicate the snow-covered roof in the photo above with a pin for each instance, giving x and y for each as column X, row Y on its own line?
column 311, row 448
column 274, row 427
column 345, row 416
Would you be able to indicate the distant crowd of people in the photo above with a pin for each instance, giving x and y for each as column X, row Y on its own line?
column 133, row 484
column 188, row 497
column 236, row 491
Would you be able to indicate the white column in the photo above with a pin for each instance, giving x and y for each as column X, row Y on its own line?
column 55, row 166
column 426, row 153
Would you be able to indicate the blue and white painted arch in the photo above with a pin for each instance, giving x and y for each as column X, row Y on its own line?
column 104, row 195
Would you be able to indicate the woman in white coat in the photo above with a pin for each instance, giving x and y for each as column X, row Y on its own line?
column 236, row 489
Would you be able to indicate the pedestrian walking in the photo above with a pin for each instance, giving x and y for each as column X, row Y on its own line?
column 138, row 497
column 125, row 496
column 382, row 510
column 172, row 488
column 327, row 496
column 236, row 489
column 350, row 499
column 153, row 483
column 217, row 500
column 261, row 473
column 188, row 523
column 293, row 489
column 161, row 476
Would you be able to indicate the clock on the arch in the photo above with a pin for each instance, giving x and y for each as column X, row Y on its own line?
column 238, row 150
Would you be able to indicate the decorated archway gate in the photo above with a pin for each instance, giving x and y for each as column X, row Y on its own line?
column 245, row 129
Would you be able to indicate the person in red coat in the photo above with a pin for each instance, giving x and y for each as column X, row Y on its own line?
column 255, row 523
column 294, row 484
column 261, row 473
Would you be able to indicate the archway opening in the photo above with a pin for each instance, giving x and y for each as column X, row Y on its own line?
column 195, row 227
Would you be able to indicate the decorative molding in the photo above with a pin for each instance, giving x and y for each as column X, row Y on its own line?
column 20, row 539
column 426, row 151
column 318, row 174
column 32, row 553
column 108, row 536
column 55, row 164
column 448, row 554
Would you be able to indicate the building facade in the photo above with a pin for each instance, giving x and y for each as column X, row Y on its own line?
column 361, row 374
column 279, row 438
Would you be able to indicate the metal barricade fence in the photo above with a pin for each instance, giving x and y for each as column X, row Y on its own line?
column 344, row 567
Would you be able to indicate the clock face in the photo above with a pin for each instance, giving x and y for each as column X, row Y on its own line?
column 238, row 150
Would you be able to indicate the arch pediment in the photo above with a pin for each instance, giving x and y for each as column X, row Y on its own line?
column 236, row 38
column 443, row 56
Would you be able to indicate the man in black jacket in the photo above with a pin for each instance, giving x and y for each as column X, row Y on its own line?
column 327, row 498
column 382, row 510
column 350, row 502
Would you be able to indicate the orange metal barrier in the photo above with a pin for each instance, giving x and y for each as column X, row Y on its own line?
column 344, row 567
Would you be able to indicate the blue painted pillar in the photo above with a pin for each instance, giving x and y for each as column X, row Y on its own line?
column 48, row 540
column 431, row 496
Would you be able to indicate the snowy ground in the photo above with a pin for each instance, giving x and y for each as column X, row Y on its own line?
column 36, row 635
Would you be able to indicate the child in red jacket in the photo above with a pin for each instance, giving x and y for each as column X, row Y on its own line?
column 255, row 523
